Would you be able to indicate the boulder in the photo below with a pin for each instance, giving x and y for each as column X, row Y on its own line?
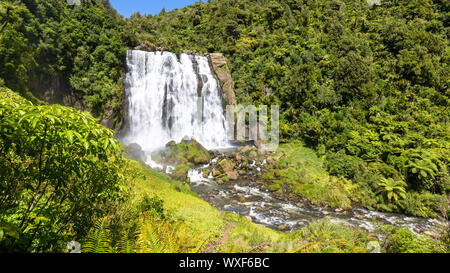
column 245, row 149
column 135, row 151
column 180, row 172
column 232, row 175
column 196, row 153
column 274, row 187
column 206, row 173
column 226, row 165
column 282, row 227
column 431, row 233
column 188, row 152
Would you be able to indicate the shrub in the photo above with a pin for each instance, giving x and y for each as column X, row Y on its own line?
column 59, row 171
column 405, row 241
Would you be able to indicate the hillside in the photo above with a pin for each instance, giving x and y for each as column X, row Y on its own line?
column 71, row 55
column 365, row 85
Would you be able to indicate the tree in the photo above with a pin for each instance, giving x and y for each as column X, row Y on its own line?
column 393, row 189
column 59, row 170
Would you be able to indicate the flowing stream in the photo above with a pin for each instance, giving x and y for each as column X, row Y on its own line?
column 245, row 197
column 171, row 97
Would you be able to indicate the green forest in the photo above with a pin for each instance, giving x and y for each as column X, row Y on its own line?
column 363, row 91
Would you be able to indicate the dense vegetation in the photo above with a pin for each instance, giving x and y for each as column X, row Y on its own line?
column 71, row 55
column 365, row 85
column 59, row 171
column 62, row 178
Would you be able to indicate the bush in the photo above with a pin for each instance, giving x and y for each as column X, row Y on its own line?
column 404, row 241
column 59, row 171
column 340, row 164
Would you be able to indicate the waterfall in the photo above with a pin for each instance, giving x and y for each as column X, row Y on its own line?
column 170, row 97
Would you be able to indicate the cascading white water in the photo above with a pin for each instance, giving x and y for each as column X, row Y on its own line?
column 171, row 97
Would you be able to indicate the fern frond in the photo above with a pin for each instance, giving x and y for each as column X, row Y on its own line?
column 99, row 240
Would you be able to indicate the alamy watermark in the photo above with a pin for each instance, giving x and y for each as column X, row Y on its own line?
column 256, row 130
column 257, row 125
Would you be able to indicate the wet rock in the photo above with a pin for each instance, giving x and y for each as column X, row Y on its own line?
column 338, row 210
column 226, row 165
column 282, row 227
column 241, row 199
column 238, row 157
column 232, row 175
column 245, row 149
column 248, row 218
column 254, row 198
column 225, row 168
column 431, row 233
column 325, row 212
column 215, row 172
column 274, row 187
column 180, row 172
column 359, row 217
column 188, row 152
column 235, row 202
column 135, row 151
column 206, row 173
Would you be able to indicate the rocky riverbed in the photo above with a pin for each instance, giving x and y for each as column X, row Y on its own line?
column 252, row 199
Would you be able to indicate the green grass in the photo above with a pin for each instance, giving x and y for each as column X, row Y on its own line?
column 177, row 197
column 304, row 172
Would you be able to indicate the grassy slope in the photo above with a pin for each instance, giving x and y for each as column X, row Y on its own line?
column 303, row 171
column 234, row 232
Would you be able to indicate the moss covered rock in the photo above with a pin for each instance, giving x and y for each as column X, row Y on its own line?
column 206, row 173
column 188, row 152
column 227, row 168
column 274, row 187
column 180, row 172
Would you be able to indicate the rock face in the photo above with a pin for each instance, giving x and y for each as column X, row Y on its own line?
column 220, row 68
